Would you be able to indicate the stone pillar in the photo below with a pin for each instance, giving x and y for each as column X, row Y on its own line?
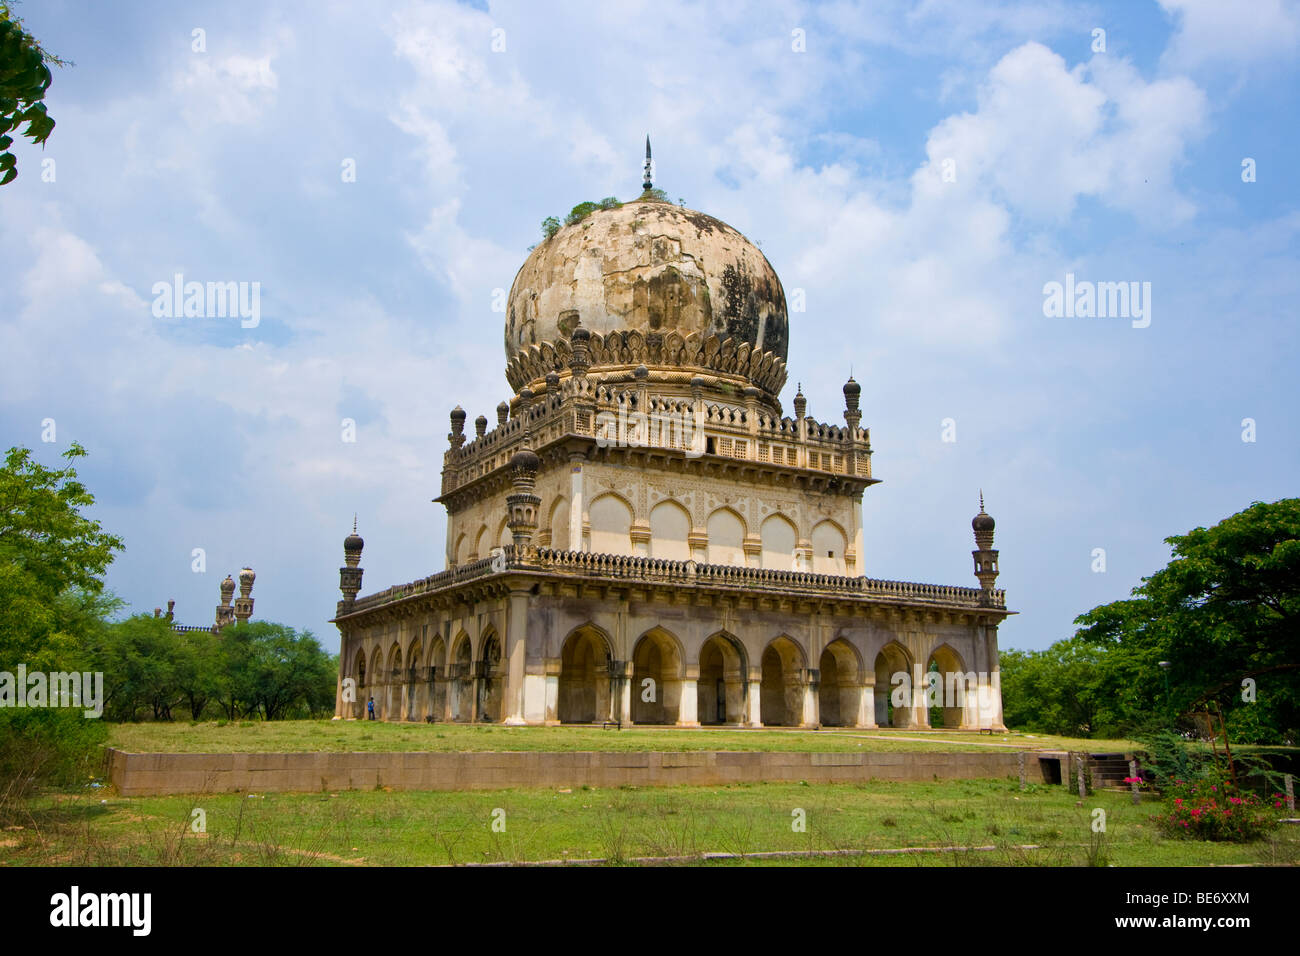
column 688, row 711
column 698, row 541
column 751, row 419
column 753, row 716
column 551, row 671
column 640, row 535
column 622, row 693
column 338, row 689
column 534, row 698
column 512, row 700
column 865, row 709
column 576, row 502
column 753, row 548
column 920, row 707
column 698, row 443
column 811, row 681
column 859, row 568
column 995, row 678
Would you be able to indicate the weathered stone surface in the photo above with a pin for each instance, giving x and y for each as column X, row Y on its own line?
column 156, row 774
column 651, row 267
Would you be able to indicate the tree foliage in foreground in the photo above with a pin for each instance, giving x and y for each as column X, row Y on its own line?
column 1225, row 616
column 24, row 78
column 52, row 607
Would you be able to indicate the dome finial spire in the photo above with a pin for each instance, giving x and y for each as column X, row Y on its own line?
column 647, row 180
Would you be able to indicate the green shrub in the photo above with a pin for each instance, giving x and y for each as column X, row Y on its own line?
column 46, row 747
column 1214, row 809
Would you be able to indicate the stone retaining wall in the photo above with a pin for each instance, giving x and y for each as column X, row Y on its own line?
column 157, row 774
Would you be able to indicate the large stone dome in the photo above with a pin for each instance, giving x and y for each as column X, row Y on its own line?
column 649, row 267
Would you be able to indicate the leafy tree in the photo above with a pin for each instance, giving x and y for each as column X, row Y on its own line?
column 198, row 670
column 24, row 78
column 1225, row 610
column 52, row 610
column 272, row 671
column 1069, row 689
column 141, row 661
column 550, row 226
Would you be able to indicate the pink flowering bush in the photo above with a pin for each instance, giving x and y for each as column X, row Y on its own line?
column 1211, row 809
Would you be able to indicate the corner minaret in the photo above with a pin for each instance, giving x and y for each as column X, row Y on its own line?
column 986, row 559
column 226, row 613
column 852, row 399
column 350, row 574
column 244, row 603
column 457, row 436
column 522, row 504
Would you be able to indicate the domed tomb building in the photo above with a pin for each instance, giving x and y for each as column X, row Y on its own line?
column 644, row 537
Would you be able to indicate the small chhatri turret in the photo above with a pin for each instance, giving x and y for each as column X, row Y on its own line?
column 350, row 574
column 457, row 436
column 852, row 396
column 226, row 613
column 986, row 559
column 244, row 603
column 522, row 505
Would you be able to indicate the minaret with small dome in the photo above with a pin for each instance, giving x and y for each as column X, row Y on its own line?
column 986, row 559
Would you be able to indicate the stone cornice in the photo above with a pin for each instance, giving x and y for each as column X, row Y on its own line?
column 652, row 349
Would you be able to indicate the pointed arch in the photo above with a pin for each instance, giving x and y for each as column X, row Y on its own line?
column 415, row 654
column 460, row 553
column 559, row 525
column 396, row 679
column 610, row 517
column 829, row 543
column 482, row 544
column 721, row 687
column 437, row 653
column 657, row 658
column 584, row 685
column 956, row 689
column 779, row 538
column 491, row 683
column 892, row 660
column 670, row 524
column 726, row 530
column 460, row 679
column 781, row 692
column 841, row 690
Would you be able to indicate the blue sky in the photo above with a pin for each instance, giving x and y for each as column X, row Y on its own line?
column 225, row 164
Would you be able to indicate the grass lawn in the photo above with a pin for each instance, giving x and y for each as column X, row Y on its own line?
column 348, row 735
column 360, row 828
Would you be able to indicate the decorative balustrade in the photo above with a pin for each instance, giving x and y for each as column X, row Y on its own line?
column 613, row 413
column 657, row 570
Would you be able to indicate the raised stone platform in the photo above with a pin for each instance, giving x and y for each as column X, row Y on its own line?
column 159, row 774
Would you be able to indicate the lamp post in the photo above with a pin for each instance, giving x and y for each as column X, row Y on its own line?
column 1164, row 666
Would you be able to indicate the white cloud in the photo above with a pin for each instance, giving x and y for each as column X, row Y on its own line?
column 1211, row 32
column 1043, row 137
